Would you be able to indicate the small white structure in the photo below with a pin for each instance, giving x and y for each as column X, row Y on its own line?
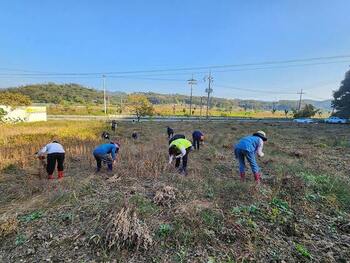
column 24, row 113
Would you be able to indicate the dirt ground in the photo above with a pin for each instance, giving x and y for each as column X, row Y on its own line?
column 145, row 211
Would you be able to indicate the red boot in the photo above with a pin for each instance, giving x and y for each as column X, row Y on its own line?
column 60, row 174
column 50, row 177
column 242, row 175
column 257, row 177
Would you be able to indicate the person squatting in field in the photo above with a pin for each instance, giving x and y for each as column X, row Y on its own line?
column 106, row 153
column 55, row 154
column 135, row 135
column 176, row 136
column 114, row 124
column 246, row 148
column 198, row 137
column 179, row 149
column 170, row 132
column 105, row 136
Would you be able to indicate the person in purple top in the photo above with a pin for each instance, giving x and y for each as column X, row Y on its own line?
column 106, row 153
column 247, row 148
column 198, row 137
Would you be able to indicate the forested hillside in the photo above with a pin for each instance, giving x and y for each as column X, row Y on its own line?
column 77, row 94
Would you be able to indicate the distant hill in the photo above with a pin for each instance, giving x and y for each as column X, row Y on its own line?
column 77, row 94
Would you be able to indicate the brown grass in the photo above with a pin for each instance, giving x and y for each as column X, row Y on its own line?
column 125, row 230
column 197, row 213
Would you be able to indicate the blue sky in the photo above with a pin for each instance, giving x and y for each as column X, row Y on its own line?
column 99, row 36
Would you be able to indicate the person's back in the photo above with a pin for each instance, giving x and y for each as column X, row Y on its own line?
column 181, row 143
column 105, row 148
column 175, row 137
column 248, row 143
column 54, row 147
column 197, row 134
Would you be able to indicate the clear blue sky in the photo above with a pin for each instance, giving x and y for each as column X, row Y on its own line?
column 99, row 36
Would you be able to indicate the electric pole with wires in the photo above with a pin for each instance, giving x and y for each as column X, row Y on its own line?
column 104, row 93
column 191, row 82
column 208, row 90
column 300, row 98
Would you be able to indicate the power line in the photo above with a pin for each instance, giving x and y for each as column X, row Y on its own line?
column 193, row 68
column 254, row 90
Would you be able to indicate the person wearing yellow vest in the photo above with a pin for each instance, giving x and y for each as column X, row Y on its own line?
column 179, row 149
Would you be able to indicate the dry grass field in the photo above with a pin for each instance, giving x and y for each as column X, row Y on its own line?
column 146, row 212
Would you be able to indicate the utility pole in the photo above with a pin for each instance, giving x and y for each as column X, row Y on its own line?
column 208, row 90
column 200, row 111
column 104, row 93
column 121, row 104
column 300, row 98
column 191, row 82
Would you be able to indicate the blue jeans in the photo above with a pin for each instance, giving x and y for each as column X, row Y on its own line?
column 241, row 155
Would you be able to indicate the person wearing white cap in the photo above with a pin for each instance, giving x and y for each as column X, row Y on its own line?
column 246, row 148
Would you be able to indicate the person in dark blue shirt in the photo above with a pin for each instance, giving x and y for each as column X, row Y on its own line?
column 197, row 137
column 170, row 132
column 106, row 153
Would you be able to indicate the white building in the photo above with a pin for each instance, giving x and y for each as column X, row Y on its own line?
column 24, row 113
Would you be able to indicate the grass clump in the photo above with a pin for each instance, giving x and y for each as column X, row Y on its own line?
column 31, row 217
column 211, row 218
column 164, row 230
column 125, row 230
column 143, row 206
column 20, row 239
column 327, row 186
column 8, row 226
column 302, row 251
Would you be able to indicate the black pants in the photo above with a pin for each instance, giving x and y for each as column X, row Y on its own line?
column 103, row 158
column 196, row 142
column 170, row 134
column 184, row 160
column 52, row 158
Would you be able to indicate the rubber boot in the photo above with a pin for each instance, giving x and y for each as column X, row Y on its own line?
column 257, row 177
column 242, row 175
column 110, row 167
column 50, row 177
column 60, row 174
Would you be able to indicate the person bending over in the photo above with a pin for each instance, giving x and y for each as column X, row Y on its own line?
column 180, row 149
column 106, row 153
column 247, row 148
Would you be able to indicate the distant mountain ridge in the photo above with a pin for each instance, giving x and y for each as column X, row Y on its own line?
column 71, row 93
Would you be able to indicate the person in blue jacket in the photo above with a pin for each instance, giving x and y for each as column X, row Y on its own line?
column 197, row 137
column 246, row 148
column 106, row 153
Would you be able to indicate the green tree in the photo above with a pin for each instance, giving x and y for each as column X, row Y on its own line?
column 308, row 111
column 140, row 105
column 341, row 101
column 2, row 114
column 14, row 99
